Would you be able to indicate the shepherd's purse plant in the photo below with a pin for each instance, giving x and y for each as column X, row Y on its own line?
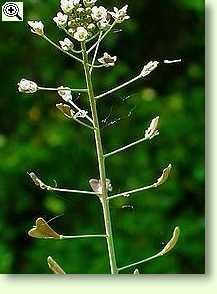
column 86, row 25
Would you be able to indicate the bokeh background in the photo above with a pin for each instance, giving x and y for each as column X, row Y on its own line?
column 34, row 136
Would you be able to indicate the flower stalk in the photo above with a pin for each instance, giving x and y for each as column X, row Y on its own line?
column 101, row 162
column 84, row 21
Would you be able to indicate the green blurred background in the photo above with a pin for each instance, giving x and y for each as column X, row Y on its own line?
column 34, row 136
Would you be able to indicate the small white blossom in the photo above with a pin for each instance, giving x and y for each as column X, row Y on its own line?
column 148, row 68
column 103, row 24
column 89, row 2
column 66, row 44
column 81, row 114
column 68, row 5
column 120, row 15
column 80, row 34
column 107, row 60
column 99, row 13
column 37, row 27
column 26, row 86
column 61, row 19
column 65, row 93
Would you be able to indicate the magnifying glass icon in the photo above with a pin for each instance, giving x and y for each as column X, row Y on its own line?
column 11, row 10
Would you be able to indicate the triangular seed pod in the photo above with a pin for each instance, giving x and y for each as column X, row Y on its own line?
column 54, row 266
column 164, row 176
column 66, row 110
column 170, row 245
column 43, row 230
column 152, row 131
column 97, row 187
column 37, row 181
column 136, row 272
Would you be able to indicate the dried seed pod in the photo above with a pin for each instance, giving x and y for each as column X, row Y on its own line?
column 54, row 266
column 136, row 272
column 152, row 131
column 170, row 245
column 164, row 176
column 37, row 181
column 43, row 230
column 66, row 110
column 97, row 187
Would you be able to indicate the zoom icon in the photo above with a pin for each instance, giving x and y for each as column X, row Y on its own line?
column 12, row 11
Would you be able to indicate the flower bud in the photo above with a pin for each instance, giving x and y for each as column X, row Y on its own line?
column 89, row 3
column 26, row 86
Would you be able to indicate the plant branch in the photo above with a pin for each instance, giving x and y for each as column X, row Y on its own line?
column 95, row 53
column 66, row 52
column 119, row 87
column 129, row 193
column 140, row 262
column 57, row 89
column 125, row 147
column 103, row 36
column 79, row 109
column 59, row 48
column 82, row 236
column 70, row 191
column 83, row 124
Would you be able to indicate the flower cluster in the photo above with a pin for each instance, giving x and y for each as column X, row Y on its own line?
column 83, row 19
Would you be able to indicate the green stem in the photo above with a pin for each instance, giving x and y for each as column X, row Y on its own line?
column 101, row 162
column 125, row 147
column 139, row 262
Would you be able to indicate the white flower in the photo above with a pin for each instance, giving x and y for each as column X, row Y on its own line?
column 68, row 5
column 66, row 44
column 89, row 2
column 81, row 114
column 99, row 13
column 148, row 68
column 103, row 24
column 107, row 60
column 120, row 15
column 61, row 19
column 65, row 93
column 28, row 87
column 80, row 34
column 37, row 27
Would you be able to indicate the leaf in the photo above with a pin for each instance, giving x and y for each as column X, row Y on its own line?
column 164, row 176
column 54, row 266
column 43, row 230
column 171, row 244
